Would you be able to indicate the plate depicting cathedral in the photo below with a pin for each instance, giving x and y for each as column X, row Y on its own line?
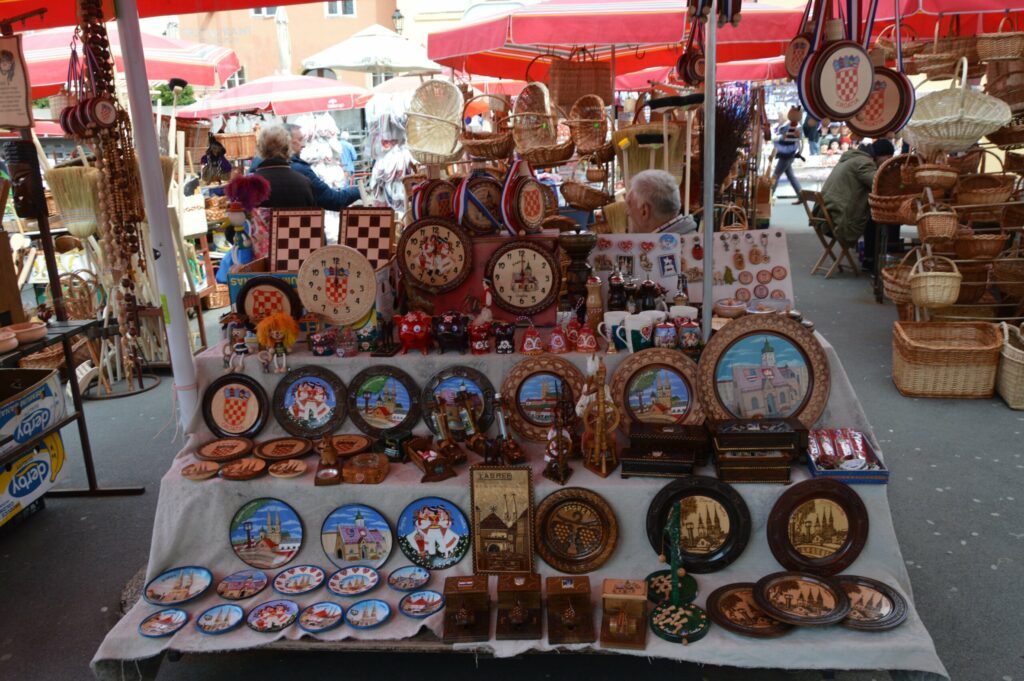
column 355, row 534
column 801, row 598
column 658, row 394
column 220, row 619
column 704, row 525
column 178, row 585
column 818, row 528
column 762, row 375
column 266, row 533
column 382, row 402
column 538, row 395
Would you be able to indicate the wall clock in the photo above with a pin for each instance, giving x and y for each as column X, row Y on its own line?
column 524, row 276
column 478, row 204
column 310, row 401
column 434, row 254
column 383, row 400
column 576, row 530
column 235, row 405
column 337, row 283
column 264, row 295
column 532, row 390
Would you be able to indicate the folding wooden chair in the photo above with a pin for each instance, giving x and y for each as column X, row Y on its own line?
column 822, row 225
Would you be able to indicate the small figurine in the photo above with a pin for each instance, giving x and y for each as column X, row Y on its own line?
column 214, row 164
column 572, row 331
column 277, row 334
column 386, row 345
column 682, row 296
column 245, row 192
column 450, row 331
column 485, row 316
column 480, row 338
column 476, row 441
column 366, row 339
column 328, row 472
column 558, row 342
column 600, row 419
column 532, row 343
column 414, row 332
column 504, row 338
column 505, row 447
column 235, row 348
column 323, row 343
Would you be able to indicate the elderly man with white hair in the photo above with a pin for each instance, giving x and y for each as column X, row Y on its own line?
column 653, row 204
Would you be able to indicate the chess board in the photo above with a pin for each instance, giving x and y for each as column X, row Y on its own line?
column 294, row 235
column 370, row 231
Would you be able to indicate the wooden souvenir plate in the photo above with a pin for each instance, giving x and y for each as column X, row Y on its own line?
column 714, row 522
column 805, row 90
column 531, row 389
column 732, row 386
column 421, row 604
column 679, row 623
column 796, row 52
column 298, row 580
column 225, row 449
column 885, row 107
column 310, row 401
column 368, row 614
column 874, row 606
column 409, row 578
column 355, row 534
column 337, row 283
column 433, row 533
column 818, row 526
column 220, row 619
column 435, row 254
column 842, row 79
column 163, row 623
column 353, row 581
column 283, row 448
column 437, row 199
column 102, row 111
column 802, row 599
column 525, row 277
column 657, row 386
column 444, row 387
column 732, row 607
column 243, row 469
column 266, row 533
column 200, row 470
column 263, row 295
column 350, row 444
column 272, row 616
column 243, row 584
column 235, row 405
column 382, row 401
column 576, row 530
column 178, row 585
column 502, row 530
column 290, row 468
column 529, row 204
column 479, row 208
column 321, row 617
column 509, row 214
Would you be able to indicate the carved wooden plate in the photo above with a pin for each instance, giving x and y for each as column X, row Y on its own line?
column 577, row 530
column 657, row 386
column 350, row 444
column 383, row 400
column 446, row 384
column 732, row 607
column 243, row 469
column 283, row 448
column 874, row 606
column 235, row 405
column 200, row 470
column 310, row 401
column 225, row 449
column 531, row 390
column 290, row 468
column 802, row 599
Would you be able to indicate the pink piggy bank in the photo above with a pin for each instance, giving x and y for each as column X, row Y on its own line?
column 414, row 332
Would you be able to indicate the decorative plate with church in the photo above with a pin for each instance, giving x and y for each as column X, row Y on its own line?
column 266, row 533
column 353, row 581
column 874, row 605
column 577, row 530
column 382, row 401
column 242, row 584
column 532, row 389
column 713, row 527
column 447, row 387
column 163, row 623
column 310, row 401
column 368, row 614
column 657, row 386
column 732, row 607
column 356, row 534
column 502, row 531
column 321, row 617
column 433, row 533
column 818, row 526
column 178, row 585
column 764, row 366
column 802, row 599
column 220, row 619
column 235, row 405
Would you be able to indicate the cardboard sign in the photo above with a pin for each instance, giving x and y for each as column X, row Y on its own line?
column 15, row 98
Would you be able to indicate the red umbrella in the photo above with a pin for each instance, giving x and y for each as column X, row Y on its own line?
column 42, row 128
column 752, row 69
column 281, row 95
column 47, row 54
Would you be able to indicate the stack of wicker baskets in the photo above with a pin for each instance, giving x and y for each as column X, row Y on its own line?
column 1010, row 379
column 434, row 123
column 934, row 282
column 889, row 191
column 945, row 359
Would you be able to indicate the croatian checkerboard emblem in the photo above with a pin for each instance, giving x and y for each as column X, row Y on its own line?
column 236, row 405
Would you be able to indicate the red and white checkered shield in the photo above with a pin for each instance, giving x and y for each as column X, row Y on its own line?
column 336, row 285
column 871, row 113
column 236, row 406
column 266, row 302
column 847, row 84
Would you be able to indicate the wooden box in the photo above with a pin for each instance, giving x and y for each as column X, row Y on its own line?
column 665, row 450
column 753, row 466
column 624, row 614
column 467, row 611
column 570, row 612
column 759, row 434
column 519, row 608
column 368, row 468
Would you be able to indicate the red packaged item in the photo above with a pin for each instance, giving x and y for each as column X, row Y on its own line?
column 841, row 438
column 860, row 447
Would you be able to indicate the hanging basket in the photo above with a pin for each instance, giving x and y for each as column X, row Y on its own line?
column 896, row 280
column 1009, row 136
column 936, row 222
column 588, row 123
column 1003, row 44
column 490, row 146
column 434, row 123
column 584, row 197
column 578, row 76
column 974, row 282
column 985, row 189
column 934, row 288
column 971, row 246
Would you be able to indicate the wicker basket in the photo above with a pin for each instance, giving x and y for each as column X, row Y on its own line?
column 540, row 157
column 604, row 154
column 971, row 246
column 998, row 46
column 533, row 124
column 908, row 210
column 940, row 178
column 934, row 288
column 579, row 76
column 965, row 164
column 945, row 359
column 896, row 280
column 1014, row 163
column 588, row 122
column 434, row 123
column 584, row 197
column 1010, row 378
column 886, row 209
column 984, row 189
column 1008, row 277
column 1009, row 136
column 597, row 174
column 974, row 282
column 490, row 146
column 238, row 144
column 936, row 222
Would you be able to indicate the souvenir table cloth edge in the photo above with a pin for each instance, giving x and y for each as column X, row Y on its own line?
column 210, row 505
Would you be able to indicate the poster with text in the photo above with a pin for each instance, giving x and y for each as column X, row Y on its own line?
column 15, row 101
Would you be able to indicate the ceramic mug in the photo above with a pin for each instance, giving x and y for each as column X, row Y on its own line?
column 654, row 316
column 613, row 320
column 636, row 333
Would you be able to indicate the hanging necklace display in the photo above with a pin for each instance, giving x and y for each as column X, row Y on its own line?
column 843, row 76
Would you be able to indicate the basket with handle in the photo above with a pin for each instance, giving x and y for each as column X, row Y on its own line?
column 985, row 189
column 889, row 192
column 578, row 76
column 1003, row 44
column 533, row 124
column 434, row 123
column 1009, row 136
column 584, row 197
column 896, row 279
column 1008, row 275
column 934, row 288
column 1007, row 86
column 237, row 144
column 491, row 146
column 1010, row 377
column 945, row 359
column 971, row 246
column 936, row 221
column 588, row 123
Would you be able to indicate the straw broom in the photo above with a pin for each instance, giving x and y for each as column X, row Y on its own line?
column 74, row 190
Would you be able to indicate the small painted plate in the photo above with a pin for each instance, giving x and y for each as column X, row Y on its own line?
column 760, row 291
column 732, row 607
column 244, row 469
column 354, row 581
column 742, row 295
column 178, row 585
column 242, row 584
column 764, row 276
column 433, row 533
column 779, row 272
column 679, row 623
column 746, row 278
column 408, row 578
column 299, row 580
column 220, row 619
column 200, row 470
column 421, row 604
column 283, row 448
column 163, row 623
column 225, row 449
column 290, row 468
column 368, row 614
column 356, row 534
column 321, row 617
column 350, row 444
column 272, row 616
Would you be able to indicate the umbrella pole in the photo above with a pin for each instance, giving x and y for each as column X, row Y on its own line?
column 160, row 237
column 709, row 171
column 689, row 160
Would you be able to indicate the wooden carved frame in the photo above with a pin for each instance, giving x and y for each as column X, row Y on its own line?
column 340, row 401
column 262, row 401
column 562, row 368
column 647, row 359
column 519, row 478
column 895, row 617
column 594, row 505
column 836, row 615
column 714, row 610
column 428, row 401
column 407, row 382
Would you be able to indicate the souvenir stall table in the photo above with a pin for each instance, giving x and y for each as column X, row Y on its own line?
column 193, row 518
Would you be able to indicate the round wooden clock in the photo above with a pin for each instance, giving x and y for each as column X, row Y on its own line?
column 337, row 283
column 435, row 254
column 525, row 277
column 478, row 204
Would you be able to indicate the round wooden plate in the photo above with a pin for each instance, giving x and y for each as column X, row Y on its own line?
column 732, row 607
column 874, row 605
column 350, row 444
column 263, row 295
column 576, row 530
column 885, row 108
column 802, row 599
column 243, row 469
column 200, row 470
column 842, row 79
column 235, row 405
column 530, row 388
column 659, row 386
column 291, row 468
column 384, row 400
column 283, row 448
column 225, row 449
column 479, row 203
column 310, row 401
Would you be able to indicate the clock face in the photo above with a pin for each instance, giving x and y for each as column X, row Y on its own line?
column 524, row 276
column 435, row 254
column 337, row 283
column 482, row 198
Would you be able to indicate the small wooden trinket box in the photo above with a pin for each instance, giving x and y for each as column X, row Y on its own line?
column 368, row 468
column 467, row 614
column 393, row 446
column 757, row 450
column 570, row 612
column 665, row 450
column 519, row 608
column 624, row 614
column 435, row 465
column 753, row 466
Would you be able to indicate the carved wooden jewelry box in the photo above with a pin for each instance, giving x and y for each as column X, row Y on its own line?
column 570, row 612
column 467, row 612
column 519, row 608
column 665, row 450
column 757, row 450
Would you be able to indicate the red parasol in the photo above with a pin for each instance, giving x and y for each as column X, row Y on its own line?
column 282, row 95
column 752, row 69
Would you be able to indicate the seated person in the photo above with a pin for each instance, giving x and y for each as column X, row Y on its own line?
column 653, row 204
column 846, row 195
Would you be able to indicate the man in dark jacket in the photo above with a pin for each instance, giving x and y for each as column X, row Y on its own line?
column 324, row 195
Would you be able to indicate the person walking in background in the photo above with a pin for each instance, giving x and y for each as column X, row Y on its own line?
column 787, row 145
column 288, row 188
column 812, row 132
column 349, row 155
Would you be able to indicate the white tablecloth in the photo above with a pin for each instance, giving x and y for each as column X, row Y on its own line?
column 191, row 528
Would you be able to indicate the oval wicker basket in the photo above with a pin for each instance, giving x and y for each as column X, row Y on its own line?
column 1009, row 136
column 940, row 178
column 971, row 246
column 998, row 46
column 597, row 174
column 886, row 209
column 984, row 189
column 491, row 146
column 588, row 123
column 1008, row 277
column 434, row 123
column 584, row 197
column 540, row 157
column 974, row 282
column 934, row 288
